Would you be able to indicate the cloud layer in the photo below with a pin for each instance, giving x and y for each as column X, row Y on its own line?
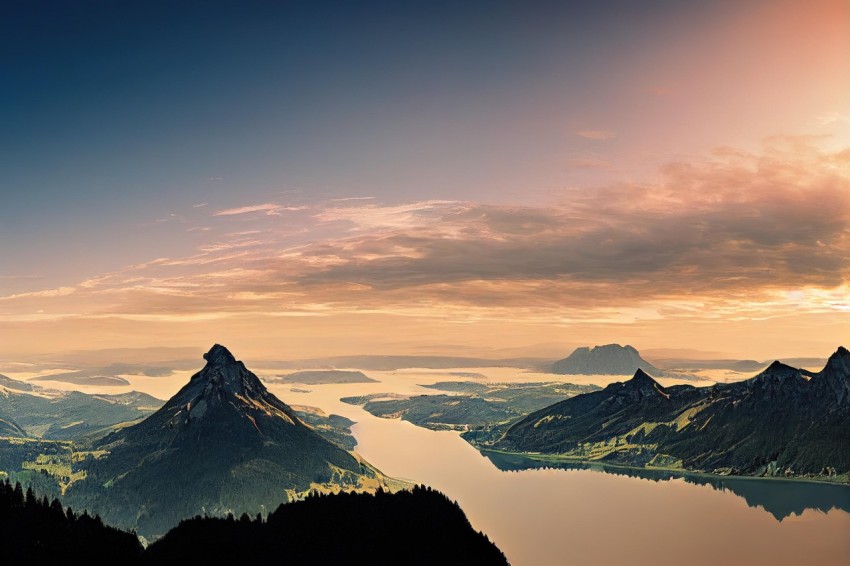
column 740, row 234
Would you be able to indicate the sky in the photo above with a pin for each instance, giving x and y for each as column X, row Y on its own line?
column 304, row 179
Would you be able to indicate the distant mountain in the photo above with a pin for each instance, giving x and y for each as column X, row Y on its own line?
column 471, row 405
column 784, row 421
column 80, row 378
column 320, row 377
column 8, row 427
column 222, row 444
column 335, row 428
column 69, row 415
column 679, row 364
column 610, row 359
column 391, row 363
column 7, row 383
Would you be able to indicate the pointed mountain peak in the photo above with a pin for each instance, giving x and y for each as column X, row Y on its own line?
column 836, row 375
column 841, row 357
column 779, row 368
column 642, row 380
column 777, row 373
column 642, row 376
column 223, row 392
column 640, row 386
column 838, row 363
column 223, row 372
column 219, row 355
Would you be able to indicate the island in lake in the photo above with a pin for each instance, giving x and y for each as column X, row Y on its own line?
column 323, row 377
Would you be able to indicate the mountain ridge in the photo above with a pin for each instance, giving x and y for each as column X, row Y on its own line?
column 782, row 421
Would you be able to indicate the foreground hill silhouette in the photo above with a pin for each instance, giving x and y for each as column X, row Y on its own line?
column 784, row 421
column 409, row 527
column 223, row 444
column 33, row 531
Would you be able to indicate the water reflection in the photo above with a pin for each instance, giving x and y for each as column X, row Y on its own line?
column 781, row 498
column 553, row 517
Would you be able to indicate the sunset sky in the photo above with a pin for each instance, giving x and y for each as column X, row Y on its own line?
column 465, row 178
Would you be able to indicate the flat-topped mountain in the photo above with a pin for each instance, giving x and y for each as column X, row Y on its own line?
column 784, row 421
column 222, row 444
column 610, row 359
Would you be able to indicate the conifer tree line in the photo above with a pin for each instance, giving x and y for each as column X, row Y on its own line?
column 419, row 526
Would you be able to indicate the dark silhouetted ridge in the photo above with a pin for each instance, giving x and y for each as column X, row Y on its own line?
column 415, row 527
column 421, row 526
column 36, row 531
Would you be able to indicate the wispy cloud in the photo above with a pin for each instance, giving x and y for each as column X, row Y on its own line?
column 384, row 216
column 345, row 199
column 597, row 134
column 833, row 118
column 739, row 235
column 58, row 292
column 271, row 209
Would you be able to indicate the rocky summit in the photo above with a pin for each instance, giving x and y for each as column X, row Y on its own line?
column 221, row 444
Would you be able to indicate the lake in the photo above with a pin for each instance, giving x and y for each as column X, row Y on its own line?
column 580, row 516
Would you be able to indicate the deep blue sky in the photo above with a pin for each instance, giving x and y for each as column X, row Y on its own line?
column 123, row 112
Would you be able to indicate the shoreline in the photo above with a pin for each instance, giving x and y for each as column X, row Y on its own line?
column 539, row 457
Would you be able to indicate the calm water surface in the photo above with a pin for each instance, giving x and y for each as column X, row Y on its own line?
column 558, row 516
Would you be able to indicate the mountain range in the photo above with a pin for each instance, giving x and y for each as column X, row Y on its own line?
column 784, row 421
column 222, row 444
column 63, row 415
